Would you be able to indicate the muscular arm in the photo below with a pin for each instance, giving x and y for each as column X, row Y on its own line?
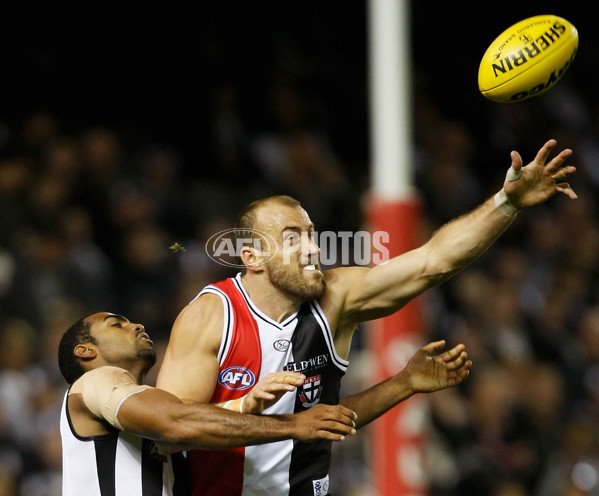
column 359, row 294
column 190, row 366
column 425, row 372
column 381, row 290
column 159, row 415
column 109, row 396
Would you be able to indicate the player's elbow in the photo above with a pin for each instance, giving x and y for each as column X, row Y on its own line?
column 166, row 429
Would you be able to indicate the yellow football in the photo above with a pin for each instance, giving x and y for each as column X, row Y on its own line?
column 527, row 59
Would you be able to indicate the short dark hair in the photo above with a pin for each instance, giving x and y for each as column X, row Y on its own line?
column 78, row 333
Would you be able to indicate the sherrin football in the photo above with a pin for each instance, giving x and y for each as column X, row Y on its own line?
column 527, row 59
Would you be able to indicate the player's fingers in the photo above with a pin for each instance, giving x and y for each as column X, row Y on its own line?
column 566, row 190
column 277, row 387
column 338, row 413
column 559, row 160
column 330, row 436
column 545, row 150
column 292, row 378
column 457, row 362
column 456, row 353
column 339, row 428
column 561, row 174
column 263, row 395
column 464, row 371
column 347, row 412
column 285, row 377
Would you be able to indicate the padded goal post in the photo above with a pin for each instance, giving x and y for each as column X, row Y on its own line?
column 396, row 438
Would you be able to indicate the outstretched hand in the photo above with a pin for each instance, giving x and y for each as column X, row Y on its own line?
column 538, row 181
column 428, row 372
column 270, row 389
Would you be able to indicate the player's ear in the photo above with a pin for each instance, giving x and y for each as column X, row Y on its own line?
column 87, row 351
column 252, row 258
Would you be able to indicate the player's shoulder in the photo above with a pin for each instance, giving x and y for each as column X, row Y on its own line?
column 102, row 376
column 202, row 317
column 205, row 304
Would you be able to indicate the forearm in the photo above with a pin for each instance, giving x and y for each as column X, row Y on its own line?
column 377, row 400
column 215, row 428
column 463, row 240
column 385, row 288
column 160, row 416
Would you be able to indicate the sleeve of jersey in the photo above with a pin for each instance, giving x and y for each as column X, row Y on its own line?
column 105, row 389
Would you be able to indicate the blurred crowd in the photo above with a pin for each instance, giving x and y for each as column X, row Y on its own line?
column 93, row 218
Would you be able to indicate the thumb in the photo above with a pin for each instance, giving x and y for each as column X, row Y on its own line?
column 515, row 170
column 434, row 346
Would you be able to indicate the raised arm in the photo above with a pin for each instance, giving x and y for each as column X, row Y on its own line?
column 367, row 294
column 428, row 370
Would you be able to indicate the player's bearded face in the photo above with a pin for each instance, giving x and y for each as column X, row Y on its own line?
column 294, row 280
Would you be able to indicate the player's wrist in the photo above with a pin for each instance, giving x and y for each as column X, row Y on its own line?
column 404, row 384
column 235, row 405
column 504, row 205
column 289, row 425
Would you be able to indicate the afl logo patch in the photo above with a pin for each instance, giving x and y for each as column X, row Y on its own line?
column 236, row 378
column 281, row 344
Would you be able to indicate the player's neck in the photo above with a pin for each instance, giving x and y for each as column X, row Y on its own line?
column 137, row 368
column 271, row 301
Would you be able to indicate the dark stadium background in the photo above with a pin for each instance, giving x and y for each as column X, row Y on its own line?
column 152, row 75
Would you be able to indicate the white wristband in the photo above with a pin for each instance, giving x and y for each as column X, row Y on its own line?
column 504, row 205
column 241, row 405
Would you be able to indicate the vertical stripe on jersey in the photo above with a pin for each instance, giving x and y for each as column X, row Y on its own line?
column 128, row 456
column 151, row 471
column 180, row 472
column 311, row 461
column 105, row 459
column 228, row 321
column 220, row 472
column 114, row 464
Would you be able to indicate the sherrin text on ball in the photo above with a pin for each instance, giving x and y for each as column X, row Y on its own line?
column 527, row 59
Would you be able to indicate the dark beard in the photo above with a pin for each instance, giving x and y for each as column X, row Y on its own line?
column 293, row 284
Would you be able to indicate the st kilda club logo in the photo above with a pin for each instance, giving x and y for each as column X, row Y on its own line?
column 310, row 391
